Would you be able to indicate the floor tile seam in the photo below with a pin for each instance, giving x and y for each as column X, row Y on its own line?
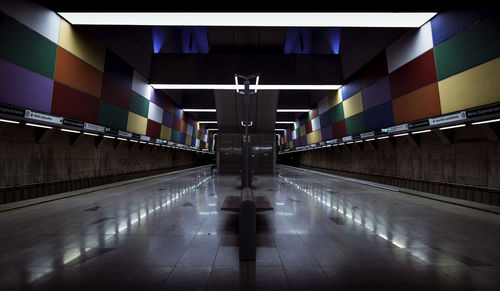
column 124, row 183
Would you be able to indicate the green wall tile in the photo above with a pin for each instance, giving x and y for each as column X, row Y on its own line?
column 355, row 124
column 471, row 47
column 337, row 113
column 175, row 135
column 112, row 116
column 24, row 47
column 138, row 104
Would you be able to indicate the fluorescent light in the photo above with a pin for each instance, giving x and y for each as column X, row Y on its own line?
column 70, row 130
column 199, row 110
column 383, row 137
column 297, row 87
column 339, row 19
column 358, row 141
column 39, row 125
column 421, row 131
column 131, row 140
column 486, row 121
column 207, row 121
column 293, row 110
column 256, row 84
column 453, row 126
column 279, row 129
column 370, row 139
column 285, row 122
column 236, row 83
column 121, row 138
column 9, row 121
column 89, row 133
column 108, row 136
column 401, row 134
column 238, row 87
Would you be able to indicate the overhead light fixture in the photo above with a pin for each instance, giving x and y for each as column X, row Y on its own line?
column 236, row 83
column 238, row 87
column 256, row 84
column 279, row 129
column 421, row 131
column 453, row 126
column 486, row 121
column 401, row 134
column 70, row 130
column 121, row 138
column 248, row 19
column 370, row 139
column 383, row 137
column 285, row 122
column 89, row 133
column 199, row 110
column 293, row 110
column 207, row 121
column 39, row 125
column 108, row 136
column 9, row 121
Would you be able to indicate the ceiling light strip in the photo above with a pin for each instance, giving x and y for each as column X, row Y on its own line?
column 338, row 19
column 242, row 87
column 293, row 110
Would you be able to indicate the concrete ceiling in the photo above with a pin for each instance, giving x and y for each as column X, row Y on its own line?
column 215, row 54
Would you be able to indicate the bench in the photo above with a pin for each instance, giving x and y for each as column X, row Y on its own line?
column 247, row 205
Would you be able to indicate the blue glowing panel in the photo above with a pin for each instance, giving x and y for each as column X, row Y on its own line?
column 159, row 37
column 298, row 40
column 333, row 37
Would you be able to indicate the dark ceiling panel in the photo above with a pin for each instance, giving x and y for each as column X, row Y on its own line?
column 220, row 68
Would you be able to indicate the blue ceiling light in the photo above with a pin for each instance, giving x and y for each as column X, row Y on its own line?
column 298, row 40
column 333, row 36
column 159, row 36
column 194, row 40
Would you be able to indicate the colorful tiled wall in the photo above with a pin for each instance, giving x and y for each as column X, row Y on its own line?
column 449, row 64
column 53, row 67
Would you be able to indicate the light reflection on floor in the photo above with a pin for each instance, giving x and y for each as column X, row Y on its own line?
column 324, row 234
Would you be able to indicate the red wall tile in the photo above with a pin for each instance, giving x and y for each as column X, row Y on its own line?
column 68, row 102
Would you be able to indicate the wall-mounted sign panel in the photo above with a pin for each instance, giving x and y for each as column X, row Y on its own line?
column 43, row 117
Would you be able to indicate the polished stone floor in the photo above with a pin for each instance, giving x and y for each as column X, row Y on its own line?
column 168, row 233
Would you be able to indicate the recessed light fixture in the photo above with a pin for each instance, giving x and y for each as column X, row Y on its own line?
column 293, row 110
column 421, row 131
column 39, row 125
column 248, row 19
column 242, row 87
column 401, row 134
column 89, row 133
column 70, row 130
column 486, row 121
column 453, row 126
column 9, row 121
column 199, row 110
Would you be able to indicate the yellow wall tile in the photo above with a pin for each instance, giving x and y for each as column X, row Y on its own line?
column 136, row 123
column 82, row 45
column 353, row 105
column 475, row 87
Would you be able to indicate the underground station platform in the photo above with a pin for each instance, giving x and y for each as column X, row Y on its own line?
column 146, row 147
